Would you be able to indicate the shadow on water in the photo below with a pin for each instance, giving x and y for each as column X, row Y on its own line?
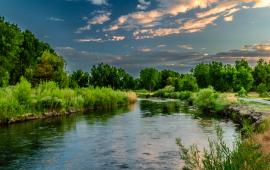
column 22, row 140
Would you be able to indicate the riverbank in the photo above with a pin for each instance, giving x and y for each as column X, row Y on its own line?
column 251, row 151
column 22, row 102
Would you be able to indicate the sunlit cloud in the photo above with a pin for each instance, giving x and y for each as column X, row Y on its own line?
column 97, row 20
column 143, row 4
column 186, row 46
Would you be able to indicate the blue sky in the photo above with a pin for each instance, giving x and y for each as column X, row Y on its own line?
column 174, row 34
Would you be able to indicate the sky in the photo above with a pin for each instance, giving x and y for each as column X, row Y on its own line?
column 133, row 34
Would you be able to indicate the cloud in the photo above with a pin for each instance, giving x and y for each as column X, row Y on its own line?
column 165, row 20
column 100, row 40
column 98, row 2
column 118, row 38
column 55, row 19
column 186, row 47
column 143, row 4
column 97, row 20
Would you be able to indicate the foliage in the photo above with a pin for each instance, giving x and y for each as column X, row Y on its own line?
column 208, row 100
column 104, row 75
column 242, row 92
column 167, row 77
column 187, row 83
column 149, row 78
column 262, row 90
column 201, row 72
column 79, row 79
column 244, row 155
column 165, row 92
column 47, row 96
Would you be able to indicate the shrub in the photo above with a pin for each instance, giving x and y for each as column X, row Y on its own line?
column 22, row 92
column 242, row 92
column 244, row 155
column 165, row 92
column 208, row 100
column 262, row 90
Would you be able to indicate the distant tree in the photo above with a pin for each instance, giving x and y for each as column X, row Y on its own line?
column 187, row 83
column 167, row 77
column 149, row 78
column 262, row 90
column 261, row 73
column 201, row 73
column 50, row 67
column 79, row 79
column 104, row 75
column 216, row 75
column 243, row 63
column 243, row 78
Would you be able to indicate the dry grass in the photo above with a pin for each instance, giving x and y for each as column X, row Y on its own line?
column 264, row 138
column 132, row 97
column 230, row 97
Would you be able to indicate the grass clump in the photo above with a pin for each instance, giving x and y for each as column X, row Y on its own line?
column 244, row 155
column 46, row 97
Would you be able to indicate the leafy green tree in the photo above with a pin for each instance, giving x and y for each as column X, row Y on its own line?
column 243, row 78
column 149, row 78
column 167, row 77
column 79, row 79
column 50, row 67
column 201, row 72
column 216, row 75
column 187, row 83
column 104, row 75
column 262, row 90
column 261, row 73
column 10, row 41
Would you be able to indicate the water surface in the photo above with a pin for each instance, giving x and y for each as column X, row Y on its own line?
column 140, row 137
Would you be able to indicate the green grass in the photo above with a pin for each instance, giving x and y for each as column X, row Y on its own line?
column 47, row 97
column 244, row 155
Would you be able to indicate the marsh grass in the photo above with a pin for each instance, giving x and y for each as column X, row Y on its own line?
column 22, row 99
column 245, row 154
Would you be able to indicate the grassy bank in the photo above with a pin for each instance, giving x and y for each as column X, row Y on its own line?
column 21, row 99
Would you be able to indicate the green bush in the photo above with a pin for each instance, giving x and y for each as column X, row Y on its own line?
column 22, row 92
column 187, row 83
column 208, row 100
column 165, row 92
column 242, row 92
column 262, row 90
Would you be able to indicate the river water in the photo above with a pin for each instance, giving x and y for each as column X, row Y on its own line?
column 140, row 137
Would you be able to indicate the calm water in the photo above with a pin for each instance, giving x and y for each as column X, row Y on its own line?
column 141, row 137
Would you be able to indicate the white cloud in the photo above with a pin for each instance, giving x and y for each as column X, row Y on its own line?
column 97, row 20
column 55, row 19
column 186, row 47
column 143, row 4
column 98, row 2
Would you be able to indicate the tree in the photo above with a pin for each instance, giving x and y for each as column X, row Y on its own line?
column 10, row 41
column 216, row 75
column 104, row 75
column 201, row 72
column 261, row 73
column 50, row 67
column 149, row 78
column 79, row 79
column 242, row 78
column 187, row 83
column 167, row 77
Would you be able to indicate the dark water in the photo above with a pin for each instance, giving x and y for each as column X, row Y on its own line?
column 141, row 137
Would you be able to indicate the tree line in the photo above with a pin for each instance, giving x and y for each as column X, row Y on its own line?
column 23, row 55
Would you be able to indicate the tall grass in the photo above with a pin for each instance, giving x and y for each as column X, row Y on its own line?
column 244, row 155
column 21, row 99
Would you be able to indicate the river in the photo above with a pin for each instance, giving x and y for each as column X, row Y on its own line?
column 140, row 137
